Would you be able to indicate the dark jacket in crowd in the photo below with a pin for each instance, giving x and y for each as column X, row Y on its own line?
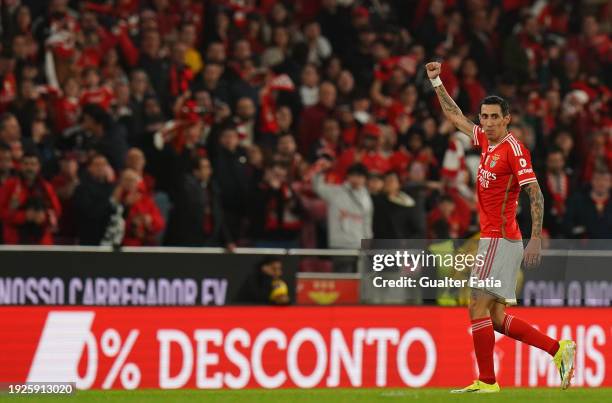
column 276, row 214
column 582, row 219
column 230, row 169
column 157, row 70
column 256, row 289
column 93, row 210
column 197, row 216
column 398, row 218
column 113, row 144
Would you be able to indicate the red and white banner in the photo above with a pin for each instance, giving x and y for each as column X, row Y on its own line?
column 250, row 347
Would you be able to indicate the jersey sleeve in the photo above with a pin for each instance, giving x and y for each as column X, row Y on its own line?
column 520, row 162
column 479, row 139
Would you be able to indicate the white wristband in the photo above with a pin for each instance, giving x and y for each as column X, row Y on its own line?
column 436, row 82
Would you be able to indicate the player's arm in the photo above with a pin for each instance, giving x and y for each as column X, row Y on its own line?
column 533, row 251
column 450, row 108
column 536, row 201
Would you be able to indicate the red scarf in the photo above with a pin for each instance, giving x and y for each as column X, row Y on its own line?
column 558, row 192
column 179, row 79
column 208, row 224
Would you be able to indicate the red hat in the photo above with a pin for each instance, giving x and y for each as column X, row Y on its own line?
column 361, row 11
column 189, row 112
column 371, row 129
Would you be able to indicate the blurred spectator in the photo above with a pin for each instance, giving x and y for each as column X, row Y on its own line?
column 557, row 188
column 589, row 213
column 375, row 184
column 98, row 134
column 471, row 89
column 286, row 154
column 311, row 119
column 143, row 221
column 153, row 62
column 6, row 164
column 329, row 143
column 276, row 211
column 136, row 161
column 232, row 177
column 448, row 211
column 244, row 120
column 65, row 184
column 93, row 92
column 8, row 82
column 10, row 135
column 43, row 144
column 349, row 216
column 92, row 201
column 29, row 206
column 189, row 37
column 396, row 214
column 367, row 152
column 265, row 284
column 309, row 90
column 197, row 216
column 139, row 89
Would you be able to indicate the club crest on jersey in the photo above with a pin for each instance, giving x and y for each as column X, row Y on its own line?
column 494, row 160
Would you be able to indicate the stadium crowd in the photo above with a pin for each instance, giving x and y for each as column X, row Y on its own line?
column 306, row 123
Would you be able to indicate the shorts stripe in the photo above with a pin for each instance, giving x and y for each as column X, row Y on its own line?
column 488, row 273
column 481, row 269
column 490, row 264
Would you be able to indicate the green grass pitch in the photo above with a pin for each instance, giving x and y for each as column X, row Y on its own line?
column 508, row 395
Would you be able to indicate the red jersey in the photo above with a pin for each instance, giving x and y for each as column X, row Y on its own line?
column 503, row 169
column 102, row 96
column 67, row 111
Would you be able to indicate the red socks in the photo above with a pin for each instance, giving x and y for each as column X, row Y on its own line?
column 484, row 342
column 521, row 331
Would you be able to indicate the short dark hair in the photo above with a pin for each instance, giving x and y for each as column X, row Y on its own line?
column 268, row 260
column 31, row 154
column 554, row 150
column 391, row 172
column 194, row 163
column 94, row 157
column 357, row 169
column 98, row 114
column 495, row 100
column 285, row 134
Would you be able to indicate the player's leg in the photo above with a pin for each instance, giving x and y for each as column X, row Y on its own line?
column 498, row 313
column 563, row 352
column 482, row 333
column 520, row 330
column 484, row 341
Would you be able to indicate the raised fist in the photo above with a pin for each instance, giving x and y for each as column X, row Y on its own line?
column 433, row 69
